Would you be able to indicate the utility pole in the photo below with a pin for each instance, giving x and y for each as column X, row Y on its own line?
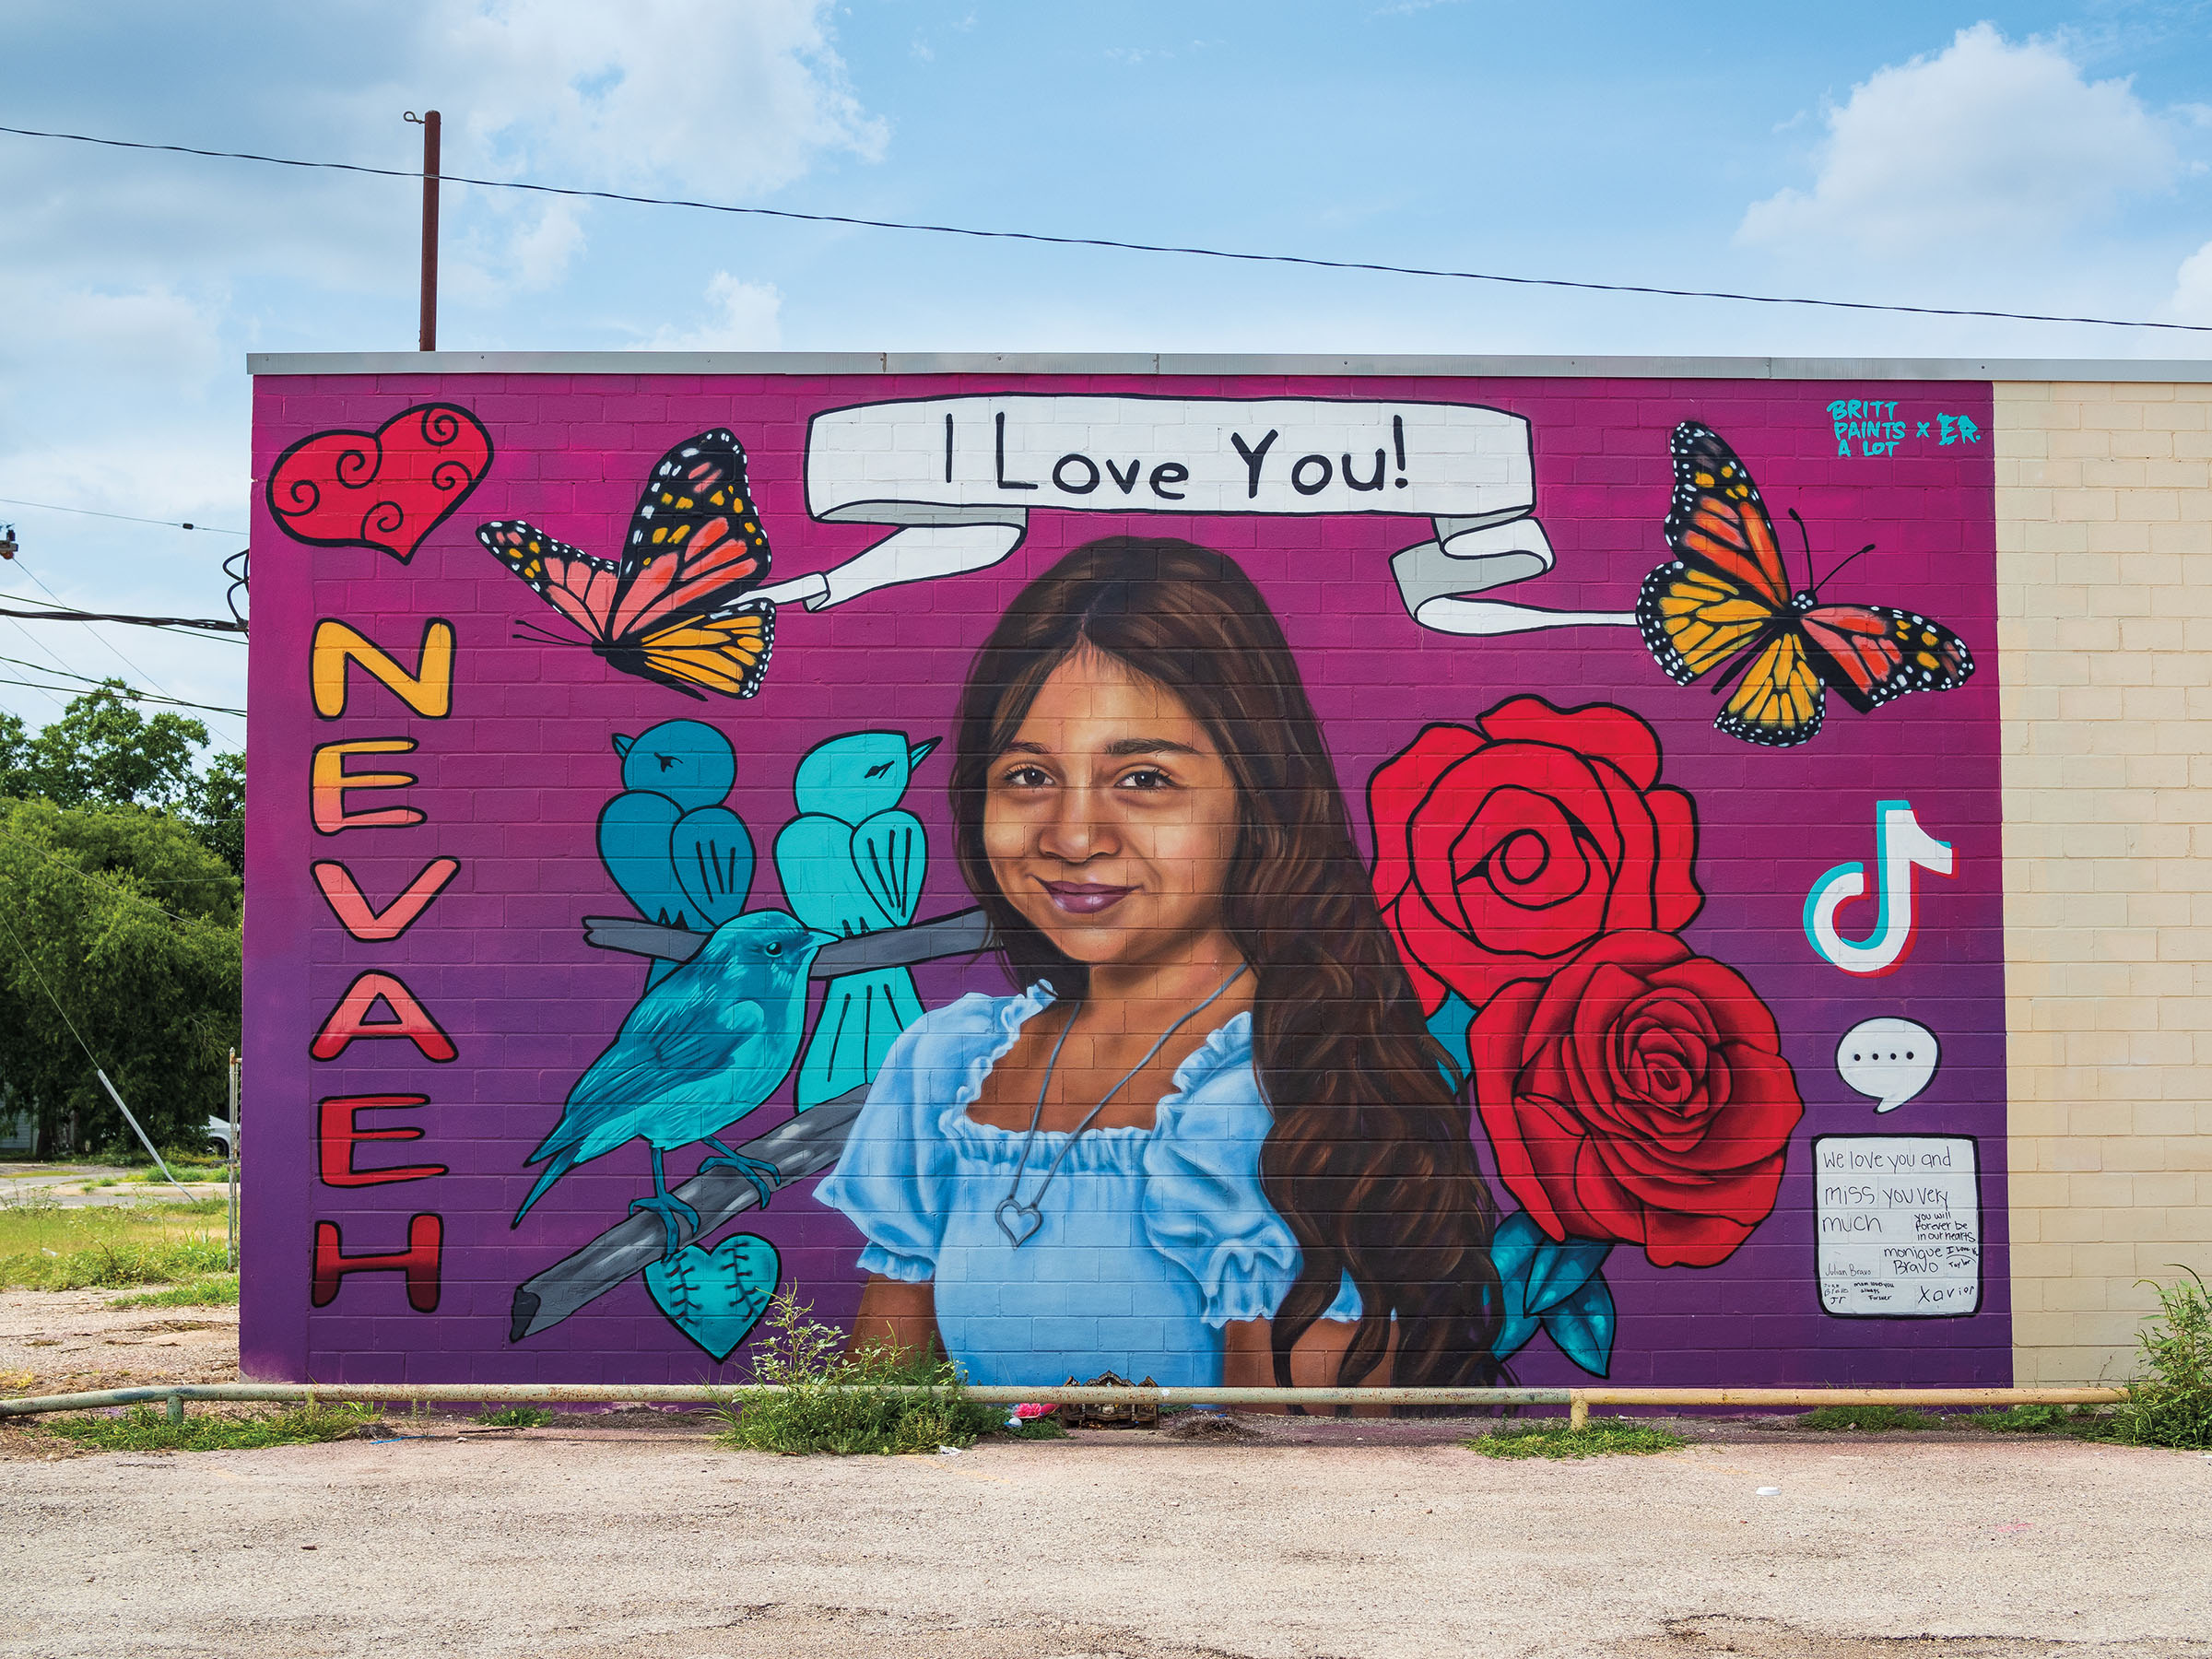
column 427, row 122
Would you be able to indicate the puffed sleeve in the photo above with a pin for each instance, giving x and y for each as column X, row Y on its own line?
column 1205, row 1212
column 890, row 1181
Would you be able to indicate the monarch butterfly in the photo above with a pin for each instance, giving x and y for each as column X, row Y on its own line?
column 677, row 607
column 1724, row 602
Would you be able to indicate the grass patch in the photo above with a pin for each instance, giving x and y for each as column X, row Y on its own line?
column 2170, row 1397
column 1871, row 1420
column 2036, row 1419
column 46, row 1247
column 840, row 1403
column 516, row 1416
column 1601, row 1437
column 213, row 1290
column 1047, row 1426
column 147, row 1429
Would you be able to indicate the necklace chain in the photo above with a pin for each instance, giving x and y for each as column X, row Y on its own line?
column 1030, row 1212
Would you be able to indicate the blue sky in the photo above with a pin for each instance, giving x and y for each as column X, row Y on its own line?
column 2035, row 156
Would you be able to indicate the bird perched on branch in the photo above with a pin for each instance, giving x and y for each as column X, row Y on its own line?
column 703, row 1047
column 677, row 853
column 852, row 862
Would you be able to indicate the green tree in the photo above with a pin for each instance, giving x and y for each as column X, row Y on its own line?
column 119, row 922
column 103, row 750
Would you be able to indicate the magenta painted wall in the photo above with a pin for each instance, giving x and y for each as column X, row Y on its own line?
column 513, row 781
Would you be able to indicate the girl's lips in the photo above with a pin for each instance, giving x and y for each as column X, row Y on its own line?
column 1085, row 898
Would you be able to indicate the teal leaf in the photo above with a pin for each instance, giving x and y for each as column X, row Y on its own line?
column 1582, row 1326
column 1449, row 1026
column 1561, row 1267
column 1514, row 1243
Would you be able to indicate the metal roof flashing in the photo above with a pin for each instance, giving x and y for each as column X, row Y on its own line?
column 1227, row 363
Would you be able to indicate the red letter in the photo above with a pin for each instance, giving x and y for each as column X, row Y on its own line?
column 418, row 1262
column 350, row 908
column 330, row 781
column 337, row 1130
column 350, row 1019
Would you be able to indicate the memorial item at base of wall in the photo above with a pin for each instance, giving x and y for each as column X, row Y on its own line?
column 1247, row 880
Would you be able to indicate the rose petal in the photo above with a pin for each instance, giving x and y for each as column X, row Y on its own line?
column 1598, row 729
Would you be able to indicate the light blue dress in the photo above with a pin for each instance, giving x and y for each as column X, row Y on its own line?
column 1151, row 1240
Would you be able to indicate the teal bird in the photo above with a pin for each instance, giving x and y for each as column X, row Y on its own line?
column 853, row 862
column 703, row 1047
column 678, row 854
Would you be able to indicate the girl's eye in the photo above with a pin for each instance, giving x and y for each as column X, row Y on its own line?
column 1147, row 778
column 1026, row 777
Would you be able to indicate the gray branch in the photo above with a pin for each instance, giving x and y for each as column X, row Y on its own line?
column 964, row 933
column 810, row 1143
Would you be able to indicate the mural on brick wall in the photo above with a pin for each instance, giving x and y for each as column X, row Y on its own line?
column 1230, row 888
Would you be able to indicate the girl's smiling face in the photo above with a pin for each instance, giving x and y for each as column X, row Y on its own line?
column 1110, row 818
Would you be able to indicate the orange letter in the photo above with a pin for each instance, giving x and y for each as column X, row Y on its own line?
column 338, row 1129
column 429, row 691
column 418, row 1262
column 350, row 1019
column 348, row 904
column 331, row 781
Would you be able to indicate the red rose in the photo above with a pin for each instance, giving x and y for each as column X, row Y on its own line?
column 1503, row 848
column 1637, row 1094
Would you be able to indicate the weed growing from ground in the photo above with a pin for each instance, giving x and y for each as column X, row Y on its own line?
column 516, row 1416
column 1869, row 1419
column 147, row 1429
column 1555, row 1437
column 46, row 1247
column 841, row 1403
column 2170, row 1398
column 215, row 1290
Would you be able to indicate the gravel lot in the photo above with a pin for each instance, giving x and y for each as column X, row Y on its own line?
column 632, row 1534
column 627, row 1540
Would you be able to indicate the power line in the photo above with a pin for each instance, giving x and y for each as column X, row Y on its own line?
column 93, row 683
column 125, row 517
column 1127, row 247
column 116, row 651
column 207, row 624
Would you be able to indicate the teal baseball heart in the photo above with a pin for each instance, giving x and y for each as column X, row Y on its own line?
column 716, row 1297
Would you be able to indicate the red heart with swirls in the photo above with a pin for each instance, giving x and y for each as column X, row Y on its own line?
column 385, row 490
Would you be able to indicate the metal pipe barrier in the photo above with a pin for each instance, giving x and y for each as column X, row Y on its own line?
column 1577, row 1400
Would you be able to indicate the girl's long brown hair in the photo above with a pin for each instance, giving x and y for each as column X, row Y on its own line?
column 1369, row 1160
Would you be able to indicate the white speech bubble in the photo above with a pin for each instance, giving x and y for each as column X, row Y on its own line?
column 1888, row 1060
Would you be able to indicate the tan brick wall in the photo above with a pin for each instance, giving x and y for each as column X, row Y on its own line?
column 2104, row 600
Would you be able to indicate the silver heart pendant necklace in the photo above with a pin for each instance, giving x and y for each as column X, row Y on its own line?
column 1020, row 1221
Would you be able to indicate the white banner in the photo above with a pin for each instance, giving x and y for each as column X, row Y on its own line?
column 959, row 476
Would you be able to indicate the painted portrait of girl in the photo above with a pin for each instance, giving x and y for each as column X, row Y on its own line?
column 1208, row 1137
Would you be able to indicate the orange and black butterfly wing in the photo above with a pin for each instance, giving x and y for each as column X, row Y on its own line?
column 1717, row 520
column 1872, row 653
column 726, row 653
column 1726, row 591
column 580, row 587
column 1778, row 702
column 695, row 541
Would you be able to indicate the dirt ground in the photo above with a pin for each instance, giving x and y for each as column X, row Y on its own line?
column 632, row 1534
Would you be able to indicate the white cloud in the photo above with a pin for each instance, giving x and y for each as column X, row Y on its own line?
column 747, row 318
column 2192, row 287
column 1985, row 143
column 733, row 99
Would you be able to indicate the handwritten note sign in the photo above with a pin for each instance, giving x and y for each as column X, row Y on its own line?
column 1899, row 1225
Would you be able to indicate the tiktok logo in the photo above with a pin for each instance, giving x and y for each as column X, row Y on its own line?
column 1899, row 844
